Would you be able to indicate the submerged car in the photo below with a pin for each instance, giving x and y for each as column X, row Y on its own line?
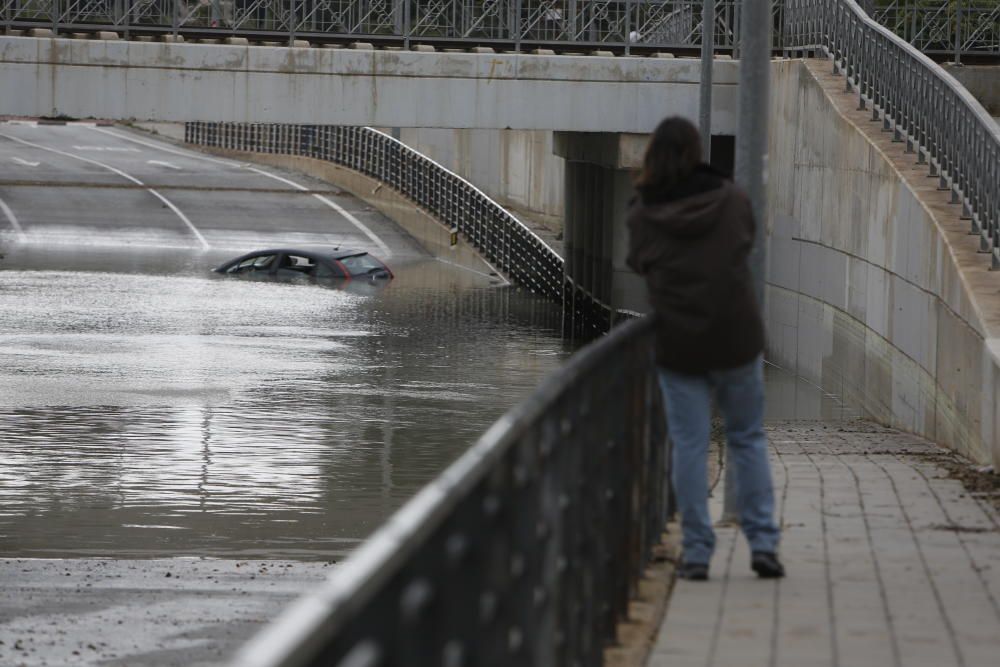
column 291, row 264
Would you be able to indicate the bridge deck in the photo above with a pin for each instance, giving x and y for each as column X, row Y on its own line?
column 890, row 562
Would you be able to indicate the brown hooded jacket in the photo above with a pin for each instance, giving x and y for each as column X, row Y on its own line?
column 692, row 249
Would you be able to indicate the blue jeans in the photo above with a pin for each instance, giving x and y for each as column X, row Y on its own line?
column 688, row 402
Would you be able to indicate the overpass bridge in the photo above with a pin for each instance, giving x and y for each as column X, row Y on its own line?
column 880, row 290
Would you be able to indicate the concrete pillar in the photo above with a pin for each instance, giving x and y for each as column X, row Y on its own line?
column 599, row 168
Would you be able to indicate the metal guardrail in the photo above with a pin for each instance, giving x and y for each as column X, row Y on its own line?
column 945, row 27
column 524, row 551
column 953, row 28
column 507, row 243
column 510, row 24
column 921, row 104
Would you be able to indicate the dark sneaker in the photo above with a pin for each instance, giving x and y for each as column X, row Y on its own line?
column 693, row 571
column 766, row 565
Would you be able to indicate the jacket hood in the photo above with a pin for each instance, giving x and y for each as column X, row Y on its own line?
column 689, row 217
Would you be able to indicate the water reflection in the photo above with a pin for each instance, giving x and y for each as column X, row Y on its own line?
column 167, row 413
column 791, row 398
column 162, row 411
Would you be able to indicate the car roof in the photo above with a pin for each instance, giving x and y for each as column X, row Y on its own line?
column 334, row 253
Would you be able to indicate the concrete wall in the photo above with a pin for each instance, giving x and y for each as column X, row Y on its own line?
column 876, row 291
column 517, row 168
column 164, row 81
column 983, row 81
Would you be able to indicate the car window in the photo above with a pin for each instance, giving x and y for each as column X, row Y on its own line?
column 254, row 263
column 298, row 263
column 361, row 264
column 331, row 270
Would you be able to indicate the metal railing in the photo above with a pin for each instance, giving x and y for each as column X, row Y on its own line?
column 941, row 122
column 524, row 551
column 954, row 28
column 510, row 24
column 946, row 27
column 507, row 243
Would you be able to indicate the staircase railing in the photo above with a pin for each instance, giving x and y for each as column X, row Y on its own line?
column 941, row 123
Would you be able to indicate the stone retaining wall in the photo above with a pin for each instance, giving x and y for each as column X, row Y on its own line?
column 876, row 290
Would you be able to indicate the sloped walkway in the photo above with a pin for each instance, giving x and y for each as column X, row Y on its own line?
column 890, row 562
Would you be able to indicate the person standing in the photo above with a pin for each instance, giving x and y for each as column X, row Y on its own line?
column 690, row 234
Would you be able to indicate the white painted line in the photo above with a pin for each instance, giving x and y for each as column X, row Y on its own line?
column 350, row 218
column 336, row 207
column 26, row 163
column 167, row 149
column 170, row 205
column 106, row 149
column 163, row 163
column 496, row 275
column 21, row 236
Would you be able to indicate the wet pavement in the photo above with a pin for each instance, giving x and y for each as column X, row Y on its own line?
column 890, row 561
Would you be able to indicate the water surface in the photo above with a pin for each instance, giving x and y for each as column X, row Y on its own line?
column 149, row 408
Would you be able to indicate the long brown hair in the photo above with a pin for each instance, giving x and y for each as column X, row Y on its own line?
column 672, row 155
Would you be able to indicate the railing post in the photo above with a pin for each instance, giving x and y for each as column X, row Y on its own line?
column 707, row 59
column 517, row 26
column 628, row 26
column 406, row 23
column 958, row 33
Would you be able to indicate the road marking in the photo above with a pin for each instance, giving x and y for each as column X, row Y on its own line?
column 495, row 275
column 163, row 163
column 229, row 163
column 106, row 149
column 167, row 149
column 169, row 204
column 26, row 163
column 21, row 236
column 335, row 206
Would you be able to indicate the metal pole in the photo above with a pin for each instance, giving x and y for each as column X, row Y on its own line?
column 958, row 34
column 751, row 153
column 707, row 57
column 752, row 127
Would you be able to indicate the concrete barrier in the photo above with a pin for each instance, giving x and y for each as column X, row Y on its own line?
column 181, row 82
column 876, row 290
column 517, row 168
column 983, row 81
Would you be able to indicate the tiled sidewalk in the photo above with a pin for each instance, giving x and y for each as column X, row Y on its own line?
column 889, row 563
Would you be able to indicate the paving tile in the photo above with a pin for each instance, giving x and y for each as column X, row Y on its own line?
column 889, row 563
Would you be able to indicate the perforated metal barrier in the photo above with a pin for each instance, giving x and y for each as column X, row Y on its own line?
column 501, row 238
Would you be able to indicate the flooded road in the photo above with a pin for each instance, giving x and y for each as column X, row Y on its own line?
column 184, row 453
column 161, row 414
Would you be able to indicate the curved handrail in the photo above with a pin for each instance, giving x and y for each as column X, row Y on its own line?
column 918, row 101
column 461, row 546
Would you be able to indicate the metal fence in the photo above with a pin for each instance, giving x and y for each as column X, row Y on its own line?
column 958, row 27
column 513, row 24
column 953, row 28
column 941, row 122
column 524, row 551
column 500, row 237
